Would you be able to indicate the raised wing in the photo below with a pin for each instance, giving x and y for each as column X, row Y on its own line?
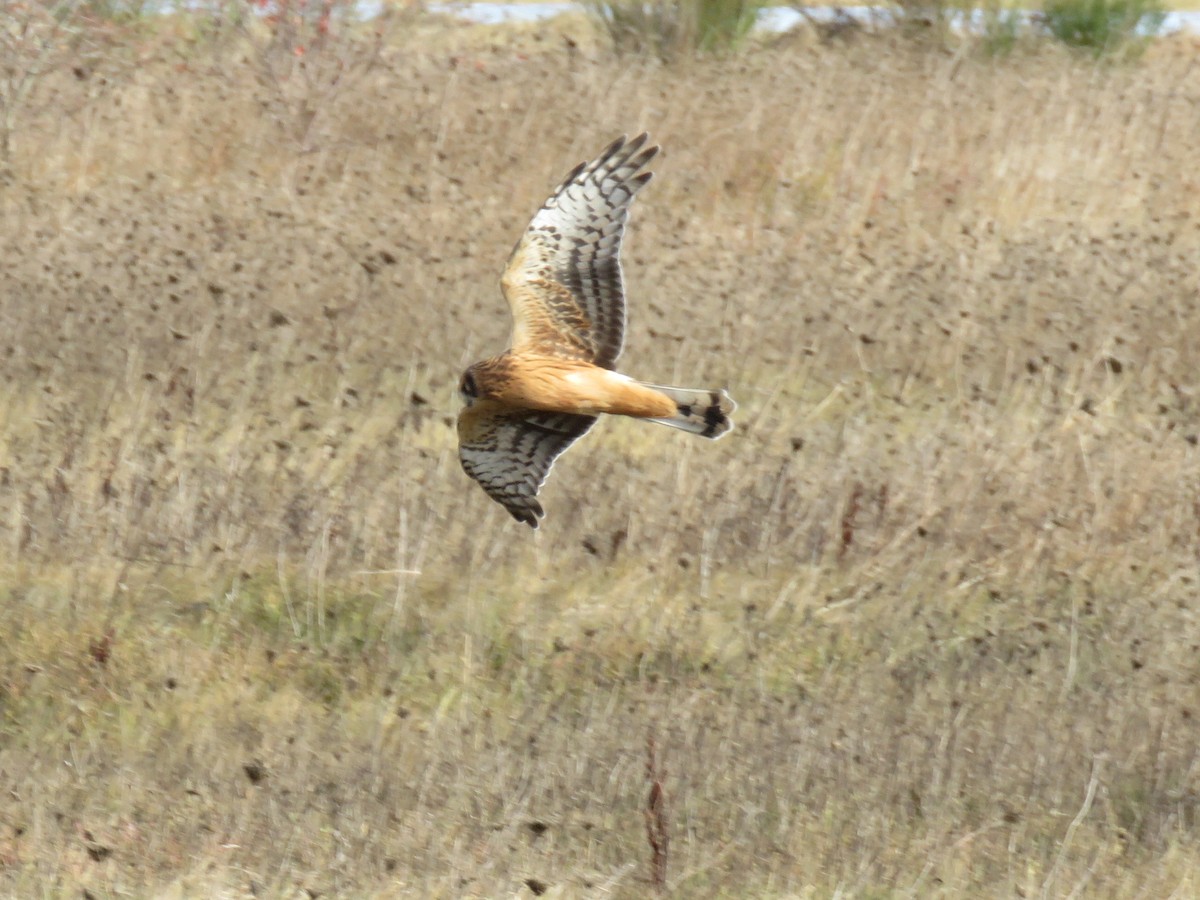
column 510, row 452
column 563, row 280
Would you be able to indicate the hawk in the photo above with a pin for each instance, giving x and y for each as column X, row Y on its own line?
column 526, row 406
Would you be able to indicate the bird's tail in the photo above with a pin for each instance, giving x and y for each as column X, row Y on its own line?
column 701, row 412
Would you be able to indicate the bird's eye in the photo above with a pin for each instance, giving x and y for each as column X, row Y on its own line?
column 467, row 386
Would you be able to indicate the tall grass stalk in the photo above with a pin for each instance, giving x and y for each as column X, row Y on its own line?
column 1000, row 28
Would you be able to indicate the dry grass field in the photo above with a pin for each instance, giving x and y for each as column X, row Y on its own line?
column 926, row 625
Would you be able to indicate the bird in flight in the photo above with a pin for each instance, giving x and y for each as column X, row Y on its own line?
column 526, row 406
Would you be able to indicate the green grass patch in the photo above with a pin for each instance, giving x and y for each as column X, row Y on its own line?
column 675, row 29
column 1104, row 27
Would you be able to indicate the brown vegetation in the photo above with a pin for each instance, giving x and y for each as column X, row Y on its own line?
column 924, row 625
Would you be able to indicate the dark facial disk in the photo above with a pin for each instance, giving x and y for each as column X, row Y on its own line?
column 467, row 386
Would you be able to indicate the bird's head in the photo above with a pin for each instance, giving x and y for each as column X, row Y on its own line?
column 468, row 387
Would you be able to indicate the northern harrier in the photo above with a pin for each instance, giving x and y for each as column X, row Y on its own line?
column 563, row 283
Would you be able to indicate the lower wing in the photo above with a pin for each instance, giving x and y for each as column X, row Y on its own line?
column 510, row 452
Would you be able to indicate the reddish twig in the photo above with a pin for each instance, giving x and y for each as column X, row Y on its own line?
column 657, row 831
column 848, row 517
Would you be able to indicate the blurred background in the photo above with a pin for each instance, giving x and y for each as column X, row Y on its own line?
column 924, row 624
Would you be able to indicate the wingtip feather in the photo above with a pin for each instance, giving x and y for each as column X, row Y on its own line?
column 528, row 515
